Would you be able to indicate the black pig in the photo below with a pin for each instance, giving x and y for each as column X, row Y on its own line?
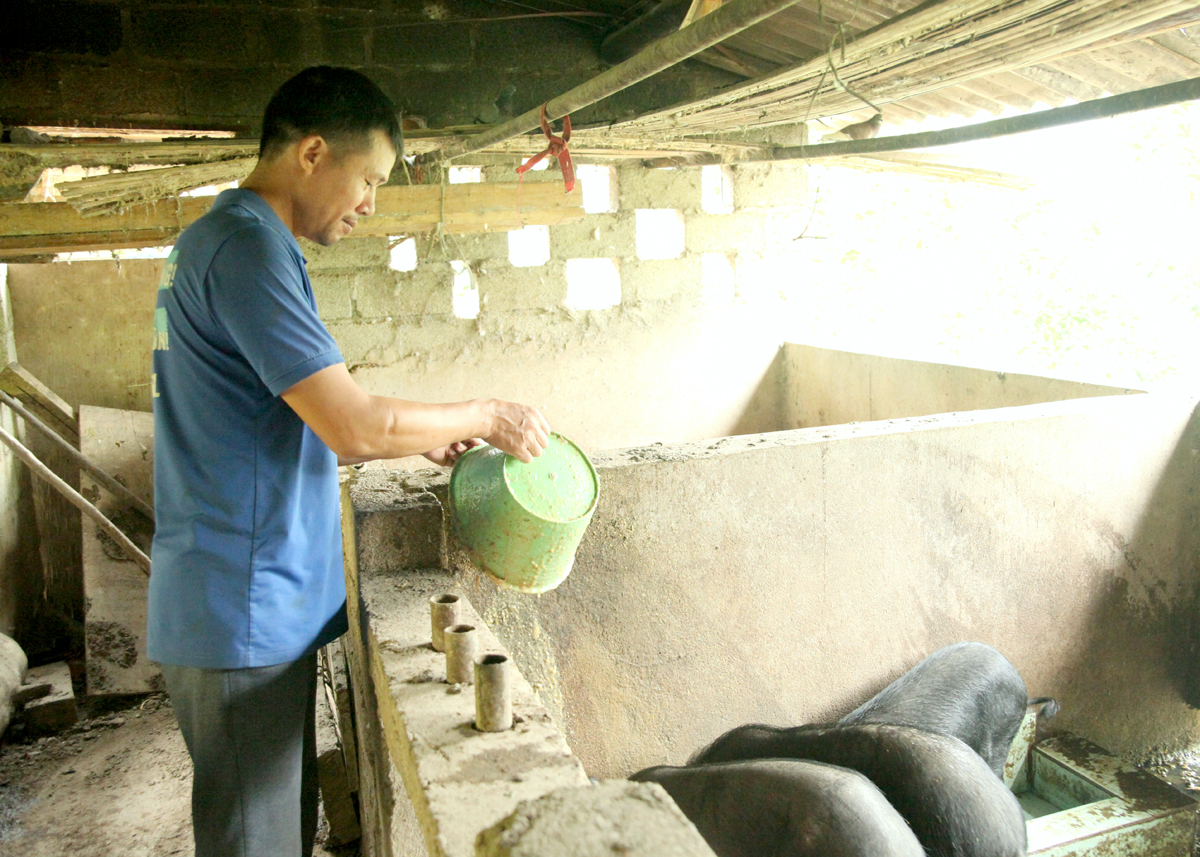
column 967, row 690
column 786, row 808
column 945, row 791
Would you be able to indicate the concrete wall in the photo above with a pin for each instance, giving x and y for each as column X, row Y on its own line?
column 823, row 387
column 784, row 578
column 84, row 328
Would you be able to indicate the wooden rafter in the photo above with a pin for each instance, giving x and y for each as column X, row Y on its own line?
column 28, row 229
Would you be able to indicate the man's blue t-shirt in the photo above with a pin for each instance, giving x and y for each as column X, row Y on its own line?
column 247, row 556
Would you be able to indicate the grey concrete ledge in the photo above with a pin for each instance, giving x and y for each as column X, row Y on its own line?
column 460, row 781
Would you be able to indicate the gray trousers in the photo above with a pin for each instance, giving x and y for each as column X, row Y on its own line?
column 251, row 734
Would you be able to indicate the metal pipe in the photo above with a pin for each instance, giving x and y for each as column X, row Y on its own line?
column 461, row 645
column 1099, row 108
column 493, row 693
column 76, row 456
column 730, row 19
column 76, row 499
column 443, row 612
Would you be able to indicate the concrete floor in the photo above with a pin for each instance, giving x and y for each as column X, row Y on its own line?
column 118, row 782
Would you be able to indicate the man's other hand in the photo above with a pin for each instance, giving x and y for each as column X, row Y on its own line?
column 447, row 456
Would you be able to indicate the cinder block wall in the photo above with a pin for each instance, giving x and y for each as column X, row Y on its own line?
column 120, row 63
column 667, row 363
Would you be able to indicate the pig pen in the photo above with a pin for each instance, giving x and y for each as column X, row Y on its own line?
column 783, row 577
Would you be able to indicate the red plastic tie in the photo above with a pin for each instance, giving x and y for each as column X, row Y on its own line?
column 556, row 149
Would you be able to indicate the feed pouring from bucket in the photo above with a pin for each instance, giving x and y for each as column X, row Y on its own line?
column 523, row 522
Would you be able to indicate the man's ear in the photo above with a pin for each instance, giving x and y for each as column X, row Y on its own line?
column 311, row 151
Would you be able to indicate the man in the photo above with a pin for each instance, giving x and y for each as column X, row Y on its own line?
column 254, row 410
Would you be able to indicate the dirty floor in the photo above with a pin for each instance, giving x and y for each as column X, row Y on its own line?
column 118, row 782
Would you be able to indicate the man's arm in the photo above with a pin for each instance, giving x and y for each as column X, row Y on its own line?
column 360, row 427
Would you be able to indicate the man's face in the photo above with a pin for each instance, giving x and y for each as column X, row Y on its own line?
column 340, row 188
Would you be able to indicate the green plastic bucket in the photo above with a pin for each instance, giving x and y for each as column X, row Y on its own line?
column 523, row 522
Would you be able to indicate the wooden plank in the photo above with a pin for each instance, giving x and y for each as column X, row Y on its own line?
column 41, row 400
column 52, row 227
column 57, row 520
column 122, row 444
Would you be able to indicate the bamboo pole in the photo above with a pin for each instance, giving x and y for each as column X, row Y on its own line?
column 76, row 499
column 732, row 18
column 1115, row 105
column 78, row 457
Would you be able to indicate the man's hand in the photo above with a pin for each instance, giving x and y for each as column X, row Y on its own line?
column 360, row 427
column 447, row 456
column 519, row 430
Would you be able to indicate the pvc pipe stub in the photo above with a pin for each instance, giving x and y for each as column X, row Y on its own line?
column 460, row 653
column 493, row 693
column 443, row 612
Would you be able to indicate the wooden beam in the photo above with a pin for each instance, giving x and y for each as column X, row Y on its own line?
column 48, row 406
column 55, row 227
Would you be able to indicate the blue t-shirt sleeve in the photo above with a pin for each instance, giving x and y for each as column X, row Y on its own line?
column 259, row 295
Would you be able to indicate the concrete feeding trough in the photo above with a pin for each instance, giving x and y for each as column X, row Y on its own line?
column 1080, row 799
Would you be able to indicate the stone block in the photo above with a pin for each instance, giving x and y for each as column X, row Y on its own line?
column 476, row 247
column 55, row 710
column 61, row 26
column 426, row 291
column 596, row 236
column 28, row 83
column 334, row 293
column 433, row 46
column 343, row 37
column 98, row 92
column 347, row 253
column 373, row 290
column 769, row 185
column 230, row 96
column 556, row 44
column 677, row 187
column 364, row 341
column 739, row 232
column 659, row 280
column 611, row 817
column 409, row 532
column 285, row 36
column 781, row 228
column 213, row 34
column 503, row 287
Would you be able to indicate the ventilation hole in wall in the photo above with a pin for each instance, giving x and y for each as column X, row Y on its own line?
column 465, row 295
column 529, row 247
column 403, row 253
column 658, row 233
column 716, row 279
column 593, row 284
column 209, row 189
column 599, row 188
column 716, row 189
column 543, row 164
column 465, row 175
column 109, row 255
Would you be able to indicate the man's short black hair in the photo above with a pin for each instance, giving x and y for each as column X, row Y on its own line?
column 340, row 104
